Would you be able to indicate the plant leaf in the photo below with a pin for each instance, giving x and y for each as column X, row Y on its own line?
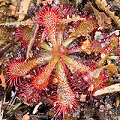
column 111, row 67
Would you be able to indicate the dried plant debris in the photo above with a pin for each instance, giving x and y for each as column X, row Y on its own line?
column 117, row 3
column 109, row 89
column 103, row 20
column 102, row 4
column 14, row 7
column 59, row 60
column 3, row 80
column 23, row 9
column 17, row 23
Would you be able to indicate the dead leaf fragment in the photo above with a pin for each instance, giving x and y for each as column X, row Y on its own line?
column 111, row 67
column 89, row 119
column 117, row 3
column 83, row 98
column 102, row 18
column 109, row 89
column 1, row 62
column 23, row 9
column 118, row 117
column 102, row 4
column 97, row 72
column 26, row 117
column 3, row 80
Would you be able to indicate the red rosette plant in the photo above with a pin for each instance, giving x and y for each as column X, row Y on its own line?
column 59, row 59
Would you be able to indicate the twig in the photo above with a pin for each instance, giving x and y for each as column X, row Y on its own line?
column 36, row 107
column 17, row 24
column 35, row 29
column 0, row 110
column 5, row 48
column 41, row 116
